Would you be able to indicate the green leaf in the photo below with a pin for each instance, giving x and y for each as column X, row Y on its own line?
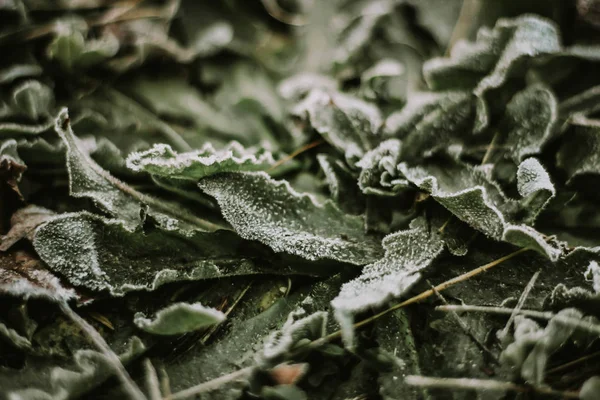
column 86, row 372
column 33, row 99
column 342, row 184
column 533, row 346
column 260, row 208
column 175, row 98
column 498, row 55
column 71, row 48
column 530, row 120
column 88, row 180
column 580, row 155
column 407, row 253
column 469, row 194
column 347, row 123
column 430, row 122
column 162, row 161
column 90, row 251
column 179, row 318
column 298, row 326
column 395, row 338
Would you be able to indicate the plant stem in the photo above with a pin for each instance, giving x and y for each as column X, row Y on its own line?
column 421, row 296
column 128, row 384
column 483, row 385
column 576, row 323
column 210, row 385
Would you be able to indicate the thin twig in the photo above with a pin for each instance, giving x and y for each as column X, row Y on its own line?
column 468, row 11
column 467, row 330
column 421, row 296
column 152, row 384
column 574, row 322
column 483, row 385
column 214, row 328
column 295, row 154
column 129, row 385
column 211, row 385
column 520, row 303
column 492, row 145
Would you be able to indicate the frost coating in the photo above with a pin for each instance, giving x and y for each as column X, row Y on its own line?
column 431, row 121
column 347, row 123
column 88, row 180
column 270, row 211
column 378, row 175
column 468, row 194
column 179, row 318
column 90, row 251
column 496, row 55
column 162, row 160
column 90, row 369
column 407, row 253
column 530, row 118
column 297, row 326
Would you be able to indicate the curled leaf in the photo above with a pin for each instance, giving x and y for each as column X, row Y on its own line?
column 179, row 318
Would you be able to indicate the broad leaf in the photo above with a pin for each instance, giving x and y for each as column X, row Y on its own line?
column 430, row 122
column 530, row 119
column 90, row 251
column 407, row 253
column 260, row 208
column 87, row 371
column 496, row 56
column 347, row 123
column 179, row 318
column 580, row 155
column 469, row 194
column 87, row 179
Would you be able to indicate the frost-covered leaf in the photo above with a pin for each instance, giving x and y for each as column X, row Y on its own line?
column 580, row 154
column 88, row 180
column 430, row 122
column 496, row 56
column 379, row 174
column 342, row 184
column 395, row 338
column 163, row 161
column 260, row 208
column 386, row 80
column 530, row 119
column 87, row 371
column 469, row 194
column 179, row 318
column 296, row 87
column 407, row 253
column 11, row 166
column 347, row 123
column 213, row 38
column 590, row 388
column 298, row 326
column 33, row 100
column 22, row 275
column 533, row 346
column 90, row 251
